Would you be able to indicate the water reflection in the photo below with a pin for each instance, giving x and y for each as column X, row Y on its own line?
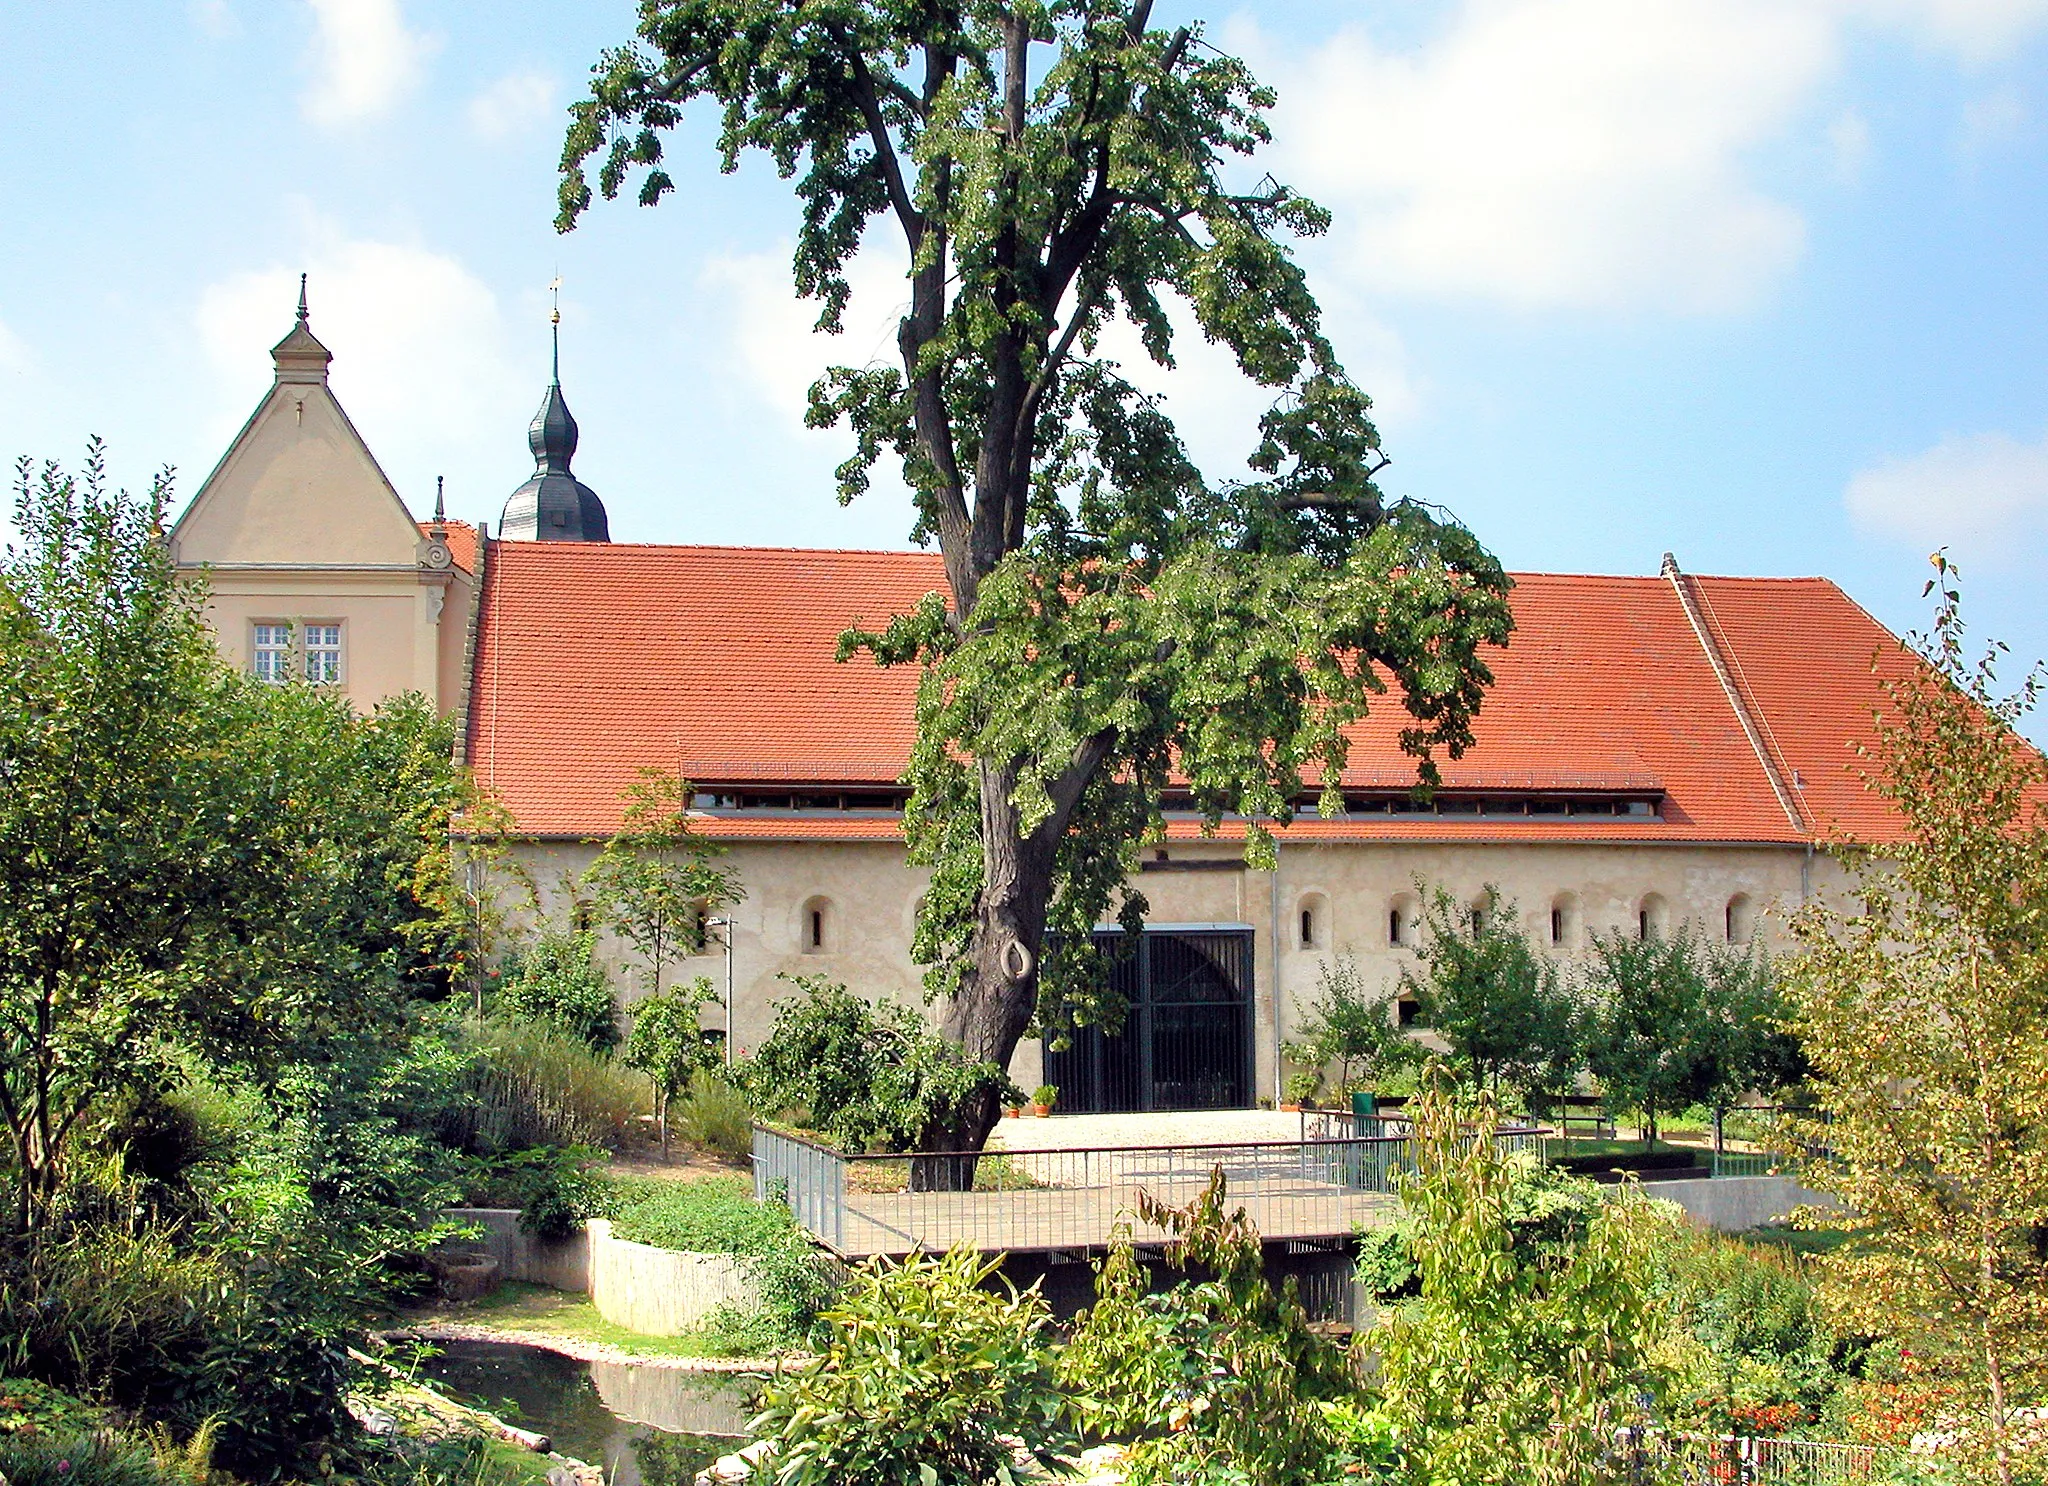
column 647, row 1426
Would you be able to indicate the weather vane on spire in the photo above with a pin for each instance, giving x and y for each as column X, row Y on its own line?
column 555, row 325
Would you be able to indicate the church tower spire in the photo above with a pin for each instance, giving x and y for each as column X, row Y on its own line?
column 553, row 505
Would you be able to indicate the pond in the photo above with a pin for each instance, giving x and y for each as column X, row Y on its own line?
column 643, row 1424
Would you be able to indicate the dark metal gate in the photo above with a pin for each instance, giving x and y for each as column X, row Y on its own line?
column 1186, row 1042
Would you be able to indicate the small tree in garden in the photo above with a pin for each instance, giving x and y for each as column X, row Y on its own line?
column 668, row 1046
column 557, row 980
column 1511, row 1365
column 1503, row 1008
column 1350, row 1027
column 1753, row 1053
column 655, row 882
column 1656, row 1031
column 1923, row 1013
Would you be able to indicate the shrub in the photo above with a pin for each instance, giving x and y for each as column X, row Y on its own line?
column 869, row 1074
column 532, row 1085
column 558, row 982
column 553, row 1187
column 715, row 1117
column 27, row 1406
column 720, row 1216
column 100, row 1458
column 928, row 1377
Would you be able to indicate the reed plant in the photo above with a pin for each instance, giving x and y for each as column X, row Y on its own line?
column 533, row 1085
column 715, row 1117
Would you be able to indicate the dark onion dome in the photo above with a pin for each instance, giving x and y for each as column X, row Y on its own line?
column 553, row 505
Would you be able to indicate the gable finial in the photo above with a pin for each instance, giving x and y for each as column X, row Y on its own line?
column 440, row 504
column 302, row 299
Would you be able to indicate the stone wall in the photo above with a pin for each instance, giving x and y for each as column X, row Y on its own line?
column 560, row 1264
column 660, row 1292
column 1736, row 1204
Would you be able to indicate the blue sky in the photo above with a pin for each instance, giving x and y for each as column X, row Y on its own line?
column 1759, row 282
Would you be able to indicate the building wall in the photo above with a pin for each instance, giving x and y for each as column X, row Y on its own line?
column 869, row 895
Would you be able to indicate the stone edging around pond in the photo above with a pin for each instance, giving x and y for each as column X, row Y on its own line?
column 589, row 1351
column 656, row 1292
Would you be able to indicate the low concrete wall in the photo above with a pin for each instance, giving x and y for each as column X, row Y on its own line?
column 1736, row 1204
column 659, row 1292
column 561, row 1264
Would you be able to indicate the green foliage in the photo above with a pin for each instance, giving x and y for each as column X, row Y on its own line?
column 557, row 982
column 1544, row 1213
column 1922, row 1012
column 718, row 1215
column 1504, row 1009
column 1517, row 1359
column 1114, row 618
column 715, row 1117
column 654, row 882
column 1655, row 1026
column 1217, row 1379
column 1350, row 1028
column 531, row 1084
column 927, row 1376
column 669, row 1047
column 30, row 1407
column 96, row 1458
column 870, row 1074
column 554, row 1188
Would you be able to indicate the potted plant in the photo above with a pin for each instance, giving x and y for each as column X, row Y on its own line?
column 1012, row 1111
column 1043, row 1099
column 1301, row 1088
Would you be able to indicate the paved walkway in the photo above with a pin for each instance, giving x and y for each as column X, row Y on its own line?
column 1184, row 1127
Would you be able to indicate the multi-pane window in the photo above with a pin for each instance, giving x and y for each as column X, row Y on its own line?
column 323, row 653
column 273, row 652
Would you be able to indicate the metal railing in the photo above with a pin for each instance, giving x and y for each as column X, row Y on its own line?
column 1037, row 1201
column 1740, row 1460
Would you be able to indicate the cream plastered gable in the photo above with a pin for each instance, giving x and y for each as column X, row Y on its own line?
column 298, row 487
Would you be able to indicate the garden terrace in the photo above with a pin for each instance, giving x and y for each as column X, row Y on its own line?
column 1074, row 1200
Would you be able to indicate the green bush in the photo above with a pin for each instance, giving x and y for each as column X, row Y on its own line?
column 532, row 1085
column 720, row 1216
column 557, row 981
column 872, row 1075
column 27, row 1406
column 555, row 1188
column 929, row 1376
column 715, row 1117
column 99, row 1458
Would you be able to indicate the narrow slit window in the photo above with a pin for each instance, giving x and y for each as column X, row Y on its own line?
column 1393, row 926
column 1643, row 923
column 1557, row 926
column 817, row 928
column 1308, row 928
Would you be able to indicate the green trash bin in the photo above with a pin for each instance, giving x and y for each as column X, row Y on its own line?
column 1364, row 1108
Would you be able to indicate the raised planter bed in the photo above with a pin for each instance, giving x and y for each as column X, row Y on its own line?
column 1646, row 1166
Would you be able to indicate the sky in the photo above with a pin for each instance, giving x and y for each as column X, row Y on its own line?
column 1755, row 282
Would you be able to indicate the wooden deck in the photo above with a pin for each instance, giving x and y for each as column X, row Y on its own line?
column 1039, row 1219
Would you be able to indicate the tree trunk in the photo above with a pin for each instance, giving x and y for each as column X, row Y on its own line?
column 999, row 990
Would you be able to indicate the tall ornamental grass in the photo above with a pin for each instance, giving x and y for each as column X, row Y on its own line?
column 535, row 1085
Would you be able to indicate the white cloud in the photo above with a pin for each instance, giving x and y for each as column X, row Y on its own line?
column 365, row 59
column 511, row 105
column 422, row 360
column 1849, row 138
column 215, row 19
column 14, row 352
column 779, row 351
column 1590, row 154
column 1984, row 495
column 1991, row 119
column 1562, row 152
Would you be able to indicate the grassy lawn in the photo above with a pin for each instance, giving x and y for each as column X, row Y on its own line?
column 1588, row 1147
column 1797, row 1240
column 535, row 1310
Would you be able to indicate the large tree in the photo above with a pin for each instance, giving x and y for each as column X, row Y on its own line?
column 1924, row 1012
column 1116, row 624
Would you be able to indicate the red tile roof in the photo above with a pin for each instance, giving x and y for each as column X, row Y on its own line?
column 461, row 542
column 596, row 659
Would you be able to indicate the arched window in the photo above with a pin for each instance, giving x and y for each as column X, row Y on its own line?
column 1312, row 922
column 1653, row 918
column 1404, row 913
column 1739, row 919
column 814, row 928
column 1564, row 921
